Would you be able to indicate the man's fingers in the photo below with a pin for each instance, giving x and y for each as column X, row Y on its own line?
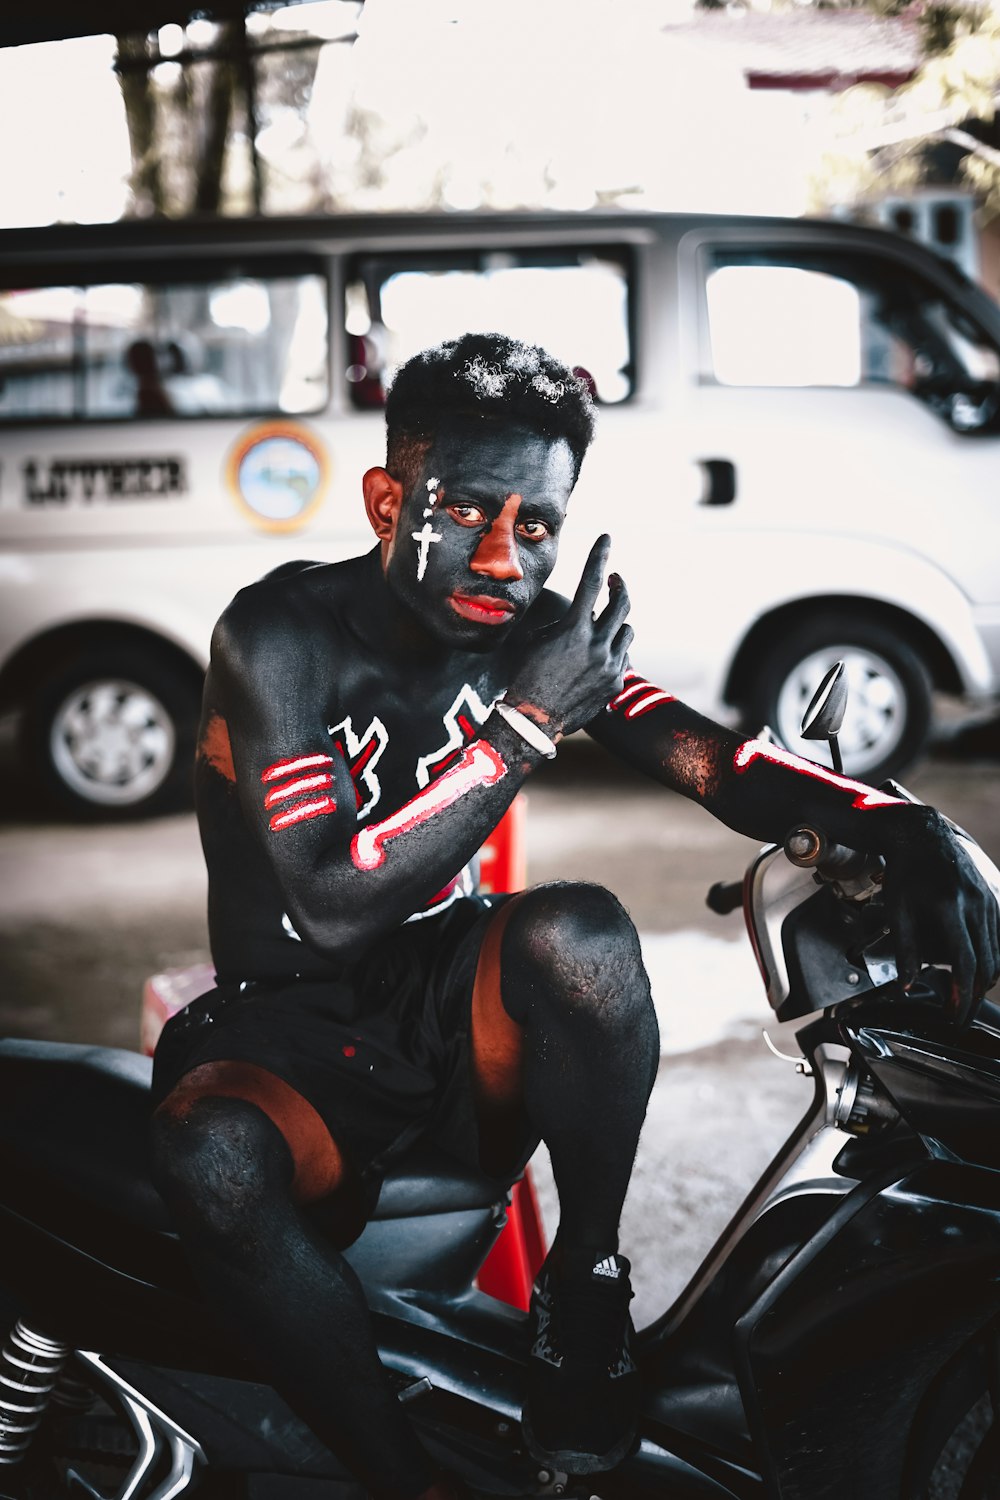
column 621, row 643
column 988, row 967
column 963, row 981
column 993, row 923
column 615, row 611
column 907, row 952
column 591, row 578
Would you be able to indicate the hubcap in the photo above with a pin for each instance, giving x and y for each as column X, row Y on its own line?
column 876, row 707
column 112, row 742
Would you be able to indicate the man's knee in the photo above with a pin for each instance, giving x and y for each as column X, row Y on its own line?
column 218, row 1164
column 578, row 941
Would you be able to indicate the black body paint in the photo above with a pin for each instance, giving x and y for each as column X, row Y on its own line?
column 350, row 766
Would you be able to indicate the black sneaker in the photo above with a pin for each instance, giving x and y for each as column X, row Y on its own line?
column 583, row 1387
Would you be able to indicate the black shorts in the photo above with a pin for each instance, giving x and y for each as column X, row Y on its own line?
column 382, row 1053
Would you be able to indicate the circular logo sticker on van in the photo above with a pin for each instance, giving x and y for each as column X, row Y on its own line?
column 279, row 473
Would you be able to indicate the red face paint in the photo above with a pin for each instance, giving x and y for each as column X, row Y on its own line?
column 481, row 765
column 481, row 609
column 866, row 796
column 472, row 566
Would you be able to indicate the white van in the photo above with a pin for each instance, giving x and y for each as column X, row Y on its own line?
column 797, row 457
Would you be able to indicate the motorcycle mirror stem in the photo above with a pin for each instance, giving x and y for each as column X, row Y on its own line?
column 825, row 715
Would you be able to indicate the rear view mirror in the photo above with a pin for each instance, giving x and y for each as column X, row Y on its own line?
column 825, row 714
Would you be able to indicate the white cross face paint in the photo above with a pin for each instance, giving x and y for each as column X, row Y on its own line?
column 426, row 535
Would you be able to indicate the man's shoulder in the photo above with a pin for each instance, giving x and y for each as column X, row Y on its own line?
column 287, row 607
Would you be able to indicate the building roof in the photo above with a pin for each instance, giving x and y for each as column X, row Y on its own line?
column 807, row 49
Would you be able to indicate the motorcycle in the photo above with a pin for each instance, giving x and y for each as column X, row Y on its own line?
column 840, row 1339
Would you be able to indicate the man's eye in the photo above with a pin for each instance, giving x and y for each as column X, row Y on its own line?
column 466, row 515
column 534, row 531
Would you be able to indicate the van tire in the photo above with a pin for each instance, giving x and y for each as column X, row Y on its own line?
column 889, row 709
column 111, row 734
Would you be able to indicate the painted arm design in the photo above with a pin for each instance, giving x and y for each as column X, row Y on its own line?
column 637, row 697
column 344, row 884
column 711, row 764
column 480, row 766
column 297, row 788
column 864, row 796
column 938, row 907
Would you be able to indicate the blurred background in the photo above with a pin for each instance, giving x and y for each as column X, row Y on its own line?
column 218, row 235
column 778, row 106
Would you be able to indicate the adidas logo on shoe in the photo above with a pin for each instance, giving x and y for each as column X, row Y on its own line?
column 607, row 1267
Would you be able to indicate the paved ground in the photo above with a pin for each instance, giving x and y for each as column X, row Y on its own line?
column 87, row 912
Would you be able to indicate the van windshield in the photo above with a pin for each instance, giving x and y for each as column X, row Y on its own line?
column 826, row 318
column 574, row 301
column 231, row 346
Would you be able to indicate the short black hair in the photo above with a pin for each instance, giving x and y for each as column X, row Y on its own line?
column 484, row 377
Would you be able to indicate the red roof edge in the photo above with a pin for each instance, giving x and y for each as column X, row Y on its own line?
column 830, row 79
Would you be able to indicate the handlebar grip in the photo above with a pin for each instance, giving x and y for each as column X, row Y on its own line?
column 724, row 896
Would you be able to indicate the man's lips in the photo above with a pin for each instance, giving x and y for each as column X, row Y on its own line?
column 482, row 608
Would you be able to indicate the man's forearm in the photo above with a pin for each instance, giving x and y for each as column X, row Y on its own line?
column 758, row 789
column 343, row 899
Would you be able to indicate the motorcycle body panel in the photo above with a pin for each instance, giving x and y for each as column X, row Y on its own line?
column 819, row 1351
column 837, row 1354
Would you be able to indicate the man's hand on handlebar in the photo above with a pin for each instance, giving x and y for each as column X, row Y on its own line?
column 941, row 910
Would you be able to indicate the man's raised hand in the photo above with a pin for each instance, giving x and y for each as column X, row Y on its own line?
column 573, row 668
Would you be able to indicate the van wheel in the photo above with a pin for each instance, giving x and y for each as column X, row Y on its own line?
column 112, row 734
column 888, row 715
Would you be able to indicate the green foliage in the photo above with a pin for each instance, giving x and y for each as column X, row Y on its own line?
column 942, row 23
column 889, row 140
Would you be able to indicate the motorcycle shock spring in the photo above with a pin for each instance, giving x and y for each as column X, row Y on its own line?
column 30, row 1364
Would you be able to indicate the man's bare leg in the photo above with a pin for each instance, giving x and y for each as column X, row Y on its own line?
column 564, row 1031
column 237, row 1151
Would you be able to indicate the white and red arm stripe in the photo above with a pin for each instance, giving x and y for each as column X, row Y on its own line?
column 637, row 697
column 480, row 766
column 319, row 807
column 286, row 781
column 865, row 797
column 293, row 765
column 295, row 788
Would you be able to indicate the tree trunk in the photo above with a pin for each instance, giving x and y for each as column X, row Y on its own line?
column 140, row 113
column 218, row 110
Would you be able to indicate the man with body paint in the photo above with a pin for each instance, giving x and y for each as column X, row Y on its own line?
column 366, row 725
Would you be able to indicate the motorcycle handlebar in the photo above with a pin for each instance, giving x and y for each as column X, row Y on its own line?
column 724, row 896
column 810, row 849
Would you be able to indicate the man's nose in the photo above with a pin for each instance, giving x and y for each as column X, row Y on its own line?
column 497, row 555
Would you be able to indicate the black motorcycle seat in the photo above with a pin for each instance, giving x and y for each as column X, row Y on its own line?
column 79, row 1115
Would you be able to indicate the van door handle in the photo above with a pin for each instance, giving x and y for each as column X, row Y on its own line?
column 721, row 485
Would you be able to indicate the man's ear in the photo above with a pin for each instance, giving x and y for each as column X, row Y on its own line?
column 383, row 502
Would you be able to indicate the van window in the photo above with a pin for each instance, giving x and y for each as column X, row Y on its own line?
column 233, row 346
column 574, row 302
column 816, row 318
